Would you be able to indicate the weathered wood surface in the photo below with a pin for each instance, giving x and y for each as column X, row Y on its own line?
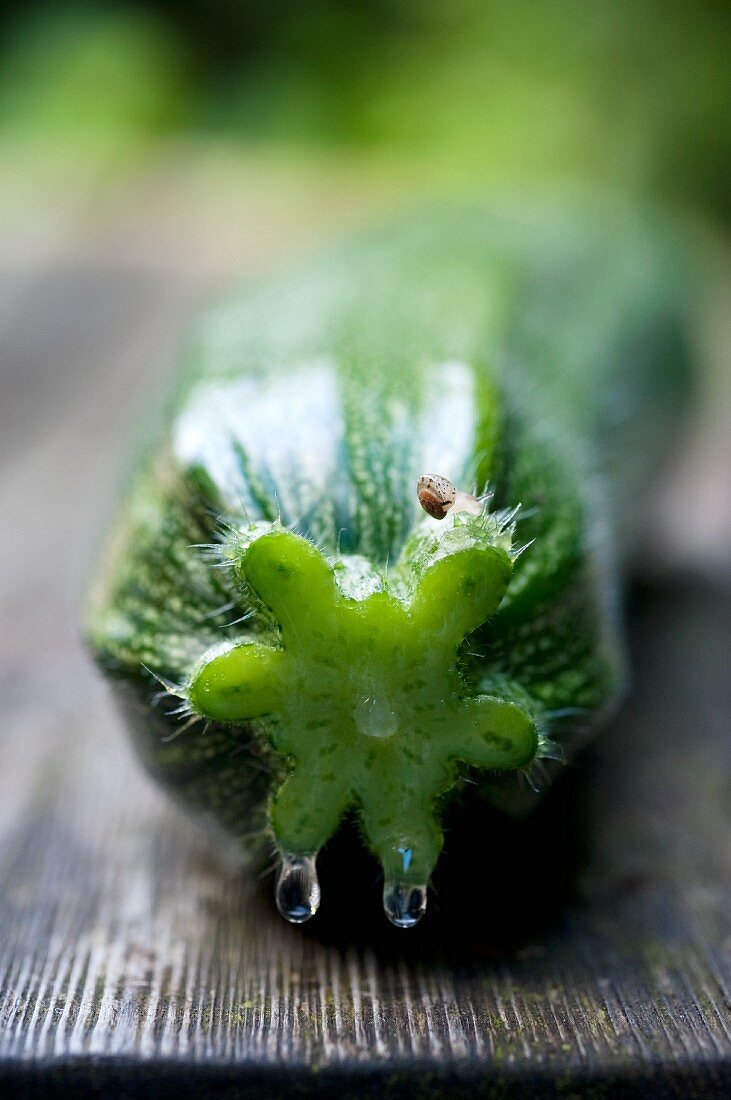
column 132, row 962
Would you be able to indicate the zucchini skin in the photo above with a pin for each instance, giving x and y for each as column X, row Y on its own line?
column 540, row 351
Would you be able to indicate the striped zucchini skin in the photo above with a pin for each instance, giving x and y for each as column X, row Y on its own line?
column 537, row 350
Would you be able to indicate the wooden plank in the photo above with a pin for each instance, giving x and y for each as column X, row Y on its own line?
column 132, row 960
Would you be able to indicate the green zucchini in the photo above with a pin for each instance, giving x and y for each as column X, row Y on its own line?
column 290, row 635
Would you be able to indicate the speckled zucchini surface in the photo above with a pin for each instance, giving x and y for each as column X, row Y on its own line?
column 290, row 635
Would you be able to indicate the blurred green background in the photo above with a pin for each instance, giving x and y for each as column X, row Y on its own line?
column 434, row 93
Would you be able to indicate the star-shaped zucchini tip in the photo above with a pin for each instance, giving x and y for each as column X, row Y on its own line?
column 365, row 694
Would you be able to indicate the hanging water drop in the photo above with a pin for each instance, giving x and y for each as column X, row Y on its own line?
column 298, row 888
column 403, row 903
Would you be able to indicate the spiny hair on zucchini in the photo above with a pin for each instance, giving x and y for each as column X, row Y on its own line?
column 291, row 637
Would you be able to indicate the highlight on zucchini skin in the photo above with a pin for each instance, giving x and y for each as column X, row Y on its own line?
column 290, row 636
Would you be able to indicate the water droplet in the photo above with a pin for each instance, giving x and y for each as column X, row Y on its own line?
column 298, row 889
column 407, row 854
column 403, row 903
column 374, row 717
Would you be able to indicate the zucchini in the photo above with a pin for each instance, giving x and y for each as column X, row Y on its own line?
column 290, row 635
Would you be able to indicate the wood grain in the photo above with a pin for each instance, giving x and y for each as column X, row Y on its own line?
column 583, row 952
